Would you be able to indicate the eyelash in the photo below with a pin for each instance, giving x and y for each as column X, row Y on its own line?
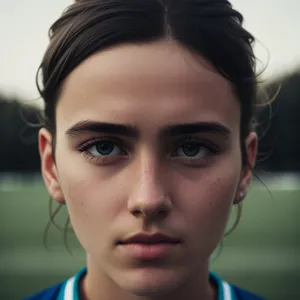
column 101, row 160
column 199, row 142
column 84, row 149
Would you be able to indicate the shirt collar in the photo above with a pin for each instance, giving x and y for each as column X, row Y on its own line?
column 225, row 291
column 70, row 288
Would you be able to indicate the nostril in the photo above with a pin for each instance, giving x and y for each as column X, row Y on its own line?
column 151, row 214
column 137, row 213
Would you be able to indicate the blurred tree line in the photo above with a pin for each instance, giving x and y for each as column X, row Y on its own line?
column 278, row 128
column 19, row 124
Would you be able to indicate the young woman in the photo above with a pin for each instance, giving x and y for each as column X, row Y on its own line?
column 148, row 141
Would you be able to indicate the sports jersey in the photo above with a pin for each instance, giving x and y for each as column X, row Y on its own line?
column 69, row 290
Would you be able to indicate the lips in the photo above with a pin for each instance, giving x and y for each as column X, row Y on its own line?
column 150, row 239
column 144, row 247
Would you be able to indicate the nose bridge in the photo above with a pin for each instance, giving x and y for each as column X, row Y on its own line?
column 149, row 195
column 149, row 171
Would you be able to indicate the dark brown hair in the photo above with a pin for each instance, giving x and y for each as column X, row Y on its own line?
column 211, row 28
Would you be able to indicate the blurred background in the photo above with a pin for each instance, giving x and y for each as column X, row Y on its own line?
column 261, row 255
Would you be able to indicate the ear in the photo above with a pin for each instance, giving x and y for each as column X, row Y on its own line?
column 48, row 167
column 251, row 145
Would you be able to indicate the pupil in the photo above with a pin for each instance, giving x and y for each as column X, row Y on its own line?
column 105, row 148
column 190, row 149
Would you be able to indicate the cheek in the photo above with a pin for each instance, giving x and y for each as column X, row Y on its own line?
column 206, row 204
column 207, row 199
column 93, row 206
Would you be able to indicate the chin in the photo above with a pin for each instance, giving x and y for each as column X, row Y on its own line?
column 150, row 283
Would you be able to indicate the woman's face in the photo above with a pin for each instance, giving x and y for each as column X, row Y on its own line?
column 147, row 143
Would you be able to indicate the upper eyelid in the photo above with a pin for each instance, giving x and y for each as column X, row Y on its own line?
column 201, row 141
column 91, row 142
column 209, row 147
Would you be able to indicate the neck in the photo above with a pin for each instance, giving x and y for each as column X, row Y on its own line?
column 98, row 286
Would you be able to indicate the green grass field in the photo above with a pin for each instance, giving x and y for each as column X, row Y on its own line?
column 262, row 255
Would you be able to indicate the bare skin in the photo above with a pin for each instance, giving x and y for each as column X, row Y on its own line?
column 172, row 167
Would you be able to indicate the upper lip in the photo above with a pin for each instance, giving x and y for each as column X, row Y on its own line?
column 156, row 238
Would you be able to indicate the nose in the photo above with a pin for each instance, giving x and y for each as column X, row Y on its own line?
column 149, row 198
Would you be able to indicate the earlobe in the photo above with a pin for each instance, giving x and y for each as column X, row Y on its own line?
column 48, row 167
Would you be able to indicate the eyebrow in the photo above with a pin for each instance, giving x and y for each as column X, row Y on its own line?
column 102, row 127
column 198, row 127
column 88, row 126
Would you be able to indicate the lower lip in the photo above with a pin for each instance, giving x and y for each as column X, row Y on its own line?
column 149, row 251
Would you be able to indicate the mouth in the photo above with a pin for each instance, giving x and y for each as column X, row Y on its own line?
column 150, row 239
column 149, row 247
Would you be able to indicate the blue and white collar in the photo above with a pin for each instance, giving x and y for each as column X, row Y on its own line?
column 225, row 291
column 70, row 289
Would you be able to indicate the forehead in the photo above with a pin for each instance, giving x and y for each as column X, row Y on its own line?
column 147, row 85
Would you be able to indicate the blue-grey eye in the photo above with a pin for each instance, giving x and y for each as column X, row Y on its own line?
column 105, row 148
column 192, row 150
